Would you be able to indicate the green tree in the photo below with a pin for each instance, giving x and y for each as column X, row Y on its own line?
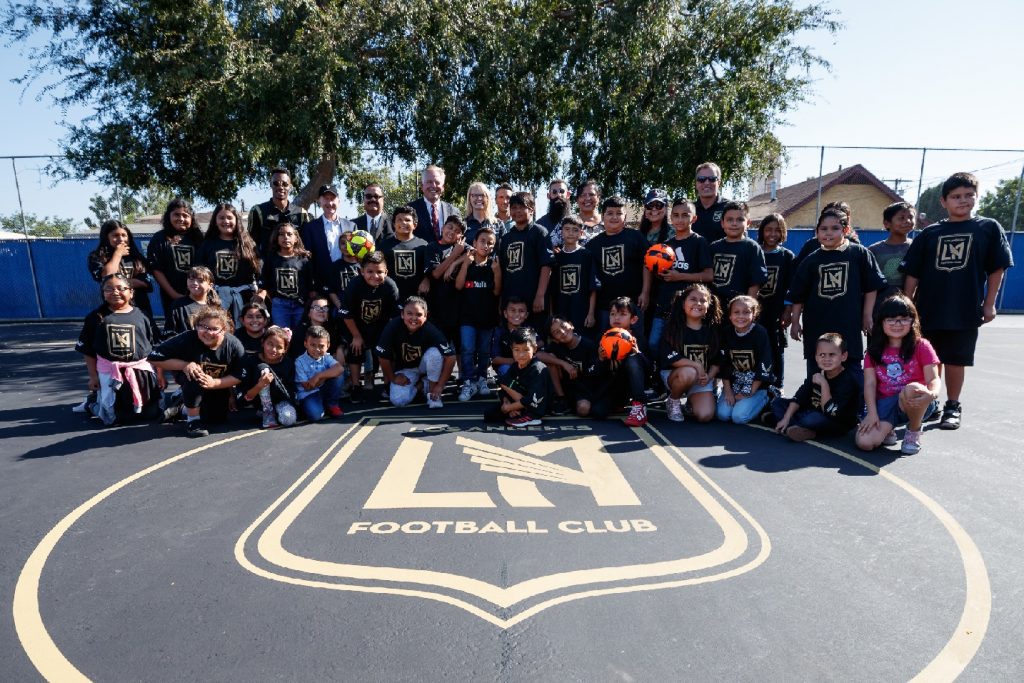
column 999, row 204
column 205, row 97
column 127, row 207
column 398, row 188
column 38, row 226
column 928, row 204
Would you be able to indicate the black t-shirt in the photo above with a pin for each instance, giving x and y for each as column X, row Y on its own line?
column 501, row 342
column 737, row 265
column 831, row 284
column 131, row 268
column 746, row 358
column 443, row 292
column 693, row 255
column 370, row 307
column 287, row 277
column 228, row 268
column 179, row 317
column 220, row 362
column 533, row 382
column 407, row 263
column 284, row 369
column 696, row 345
column 952, row 262
column 252, row 345
column 772, row 294
column 522, row 254
column 620, row 265
column 574, row 277
column 266, row 217
column 846, row 398
column 812, row 245
column 709, row 221
column 405, row 349
column 173, row 257
column 340, row 276
column 583, row 357
column 122, row 337
column 478, row 304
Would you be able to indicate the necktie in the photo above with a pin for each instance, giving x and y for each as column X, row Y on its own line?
column 433, row 220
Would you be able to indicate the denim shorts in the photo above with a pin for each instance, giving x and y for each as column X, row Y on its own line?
column 695, row 389
column 889, row 410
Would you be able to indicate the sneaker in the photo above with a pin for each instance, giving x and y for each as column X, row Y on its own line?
column 890, row 438
column 335, row 411
column 798, row 433
column 559, row 406
column 950, row 416
column 469, row 390
column 637, row 415
column 85, row 406
column 768, row 419
column 674, row 409
column 482, row 388
column 522, row 421
column 195, row 428
column 433, row 401
column 911, row 443
column 357, row 394
column 269, row 421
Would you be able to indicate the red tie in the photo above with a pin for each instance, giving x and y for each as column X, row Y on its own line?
column 433, row 220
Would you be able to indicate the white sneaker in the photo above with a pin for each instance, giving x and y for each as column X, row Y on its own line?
column 469, row 390
column 675, row 409
column 432, row 401
column 482, row 388
column 890, row 438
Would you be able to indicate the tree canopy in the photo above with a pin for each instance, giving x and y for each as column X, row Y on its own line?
column 999, row 204
column 204, row 97
column 38, row 226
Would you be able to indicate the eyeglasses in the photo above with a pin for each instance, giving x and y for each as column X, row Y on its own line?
column 119, row 290
column 559, row 190
column 655, row 207
column 898, row 321
column 319, row 308
column 707, row 178
column 280, row 183
column 373, row 196
column 208, row 329
column 476, row 196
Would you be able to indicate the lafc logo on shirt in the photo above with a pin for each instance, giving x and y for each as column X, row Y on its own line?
column 514, row 256
column 405, row 263
column 370, row 311
column 833, row 279
column 725, row 264
column 717, row 217
column 613, row 259
column 121, row 340
column 411, row 354
column 698, row 353
column 227, row 264
column 953, row 252
column 287, row 280
column 182, row 254
column 569, row 278
column 768, row 288
column 214, row 370
column 742, row 360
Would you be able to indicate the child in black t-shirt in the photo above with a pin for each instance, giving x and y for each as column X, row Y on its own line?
column 173, row 250
column 569, row 357
column 618, row 382
column 369, row 303
column 270, row 377
column 526, row 259
column 478, row 282
column 201, row 293
column 515, row 313
column 826, row 404
column 738, row 261
column 619, row 255
column 255, row 320
column 746, row 363
column 953, row 272
column 232, row 256
column 117, row 253
column 412, row 348
column 441, row 259
column 209, row 359
column 524, row 388
column 776, row 314
column 287, row 276
column 690, row 353
column 406, row 255
column 576, row 283
column 115, row 340
column 342, row 272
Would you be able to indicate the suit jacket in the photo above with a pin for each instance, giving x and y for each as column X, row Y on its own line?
column 424, row 226
column 385, row 229
column 315, row 239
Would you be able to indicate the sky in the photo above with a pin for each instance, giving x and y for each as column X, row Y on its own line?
column 916, row 73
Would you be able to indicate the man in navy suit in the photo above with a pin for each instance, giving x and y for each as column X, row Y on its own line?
column 431, row 212
column 322, row 235
column 374, row 221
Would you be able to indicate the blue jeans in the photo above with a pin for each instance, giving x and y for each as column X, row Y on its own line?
column 657, row 329
column 476, row 351
column 327, row 394
column 287, row 312
column 815, row 420
column 744, row 410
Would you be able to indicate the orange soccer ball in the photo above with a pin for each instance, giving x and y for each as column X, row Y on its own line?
column 616, row 344
column 659, row 258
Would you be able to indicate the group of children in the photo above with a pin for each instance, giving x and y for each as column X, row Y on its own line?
column 708, row 332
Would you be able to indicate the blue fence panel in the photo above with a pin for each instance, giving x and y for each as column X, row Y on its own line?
column 17, row 293
column 65, row 286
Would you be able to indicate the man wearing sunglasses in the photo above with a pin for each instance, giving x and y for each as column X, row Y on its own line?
column 264, row 218
column 374, row 220
column 710, row 204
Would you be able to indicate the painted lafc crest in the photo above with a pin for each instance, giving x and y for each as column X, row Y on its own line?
column 407, row 507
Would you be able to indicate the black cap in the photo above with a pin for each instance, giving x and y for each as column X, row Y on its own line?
column 656, row 195
column 328, row 189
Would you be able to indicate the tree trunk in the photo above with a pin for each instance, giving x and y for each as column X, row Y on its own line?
column 323, row 174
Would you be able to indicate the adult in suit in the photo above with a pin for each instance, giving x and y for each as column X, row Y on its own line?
column 374, row 220
column 322, row 235
column 431, row 212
